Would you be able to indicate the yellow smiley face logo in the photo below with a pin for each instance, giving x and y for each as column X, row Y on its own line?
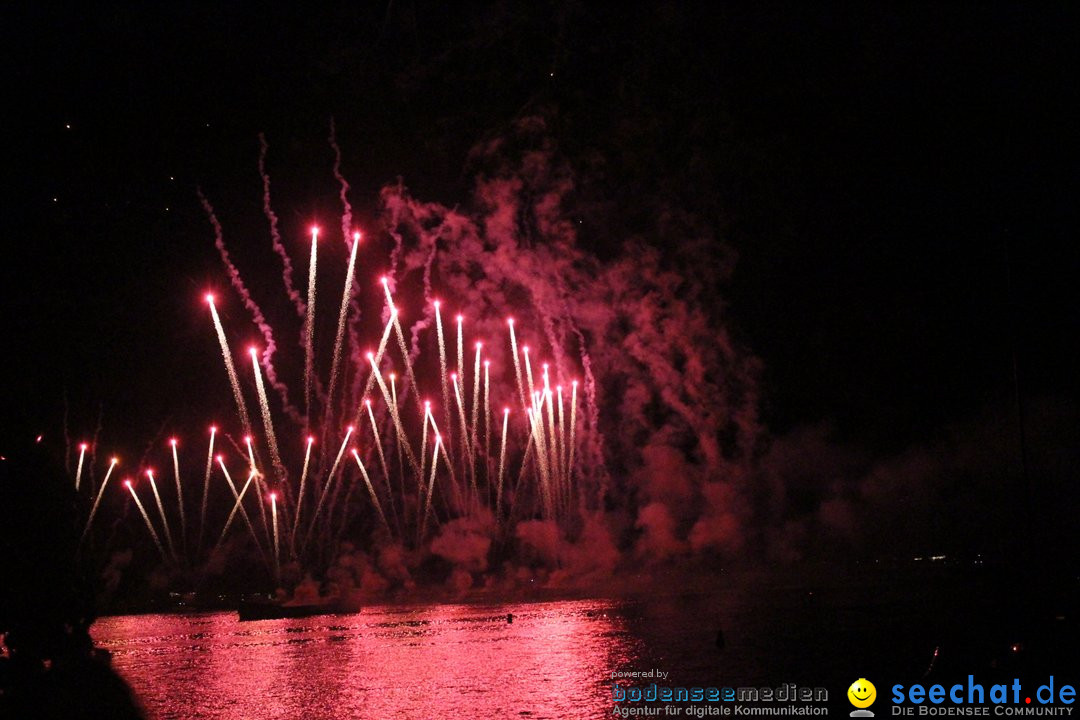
column 862, row 693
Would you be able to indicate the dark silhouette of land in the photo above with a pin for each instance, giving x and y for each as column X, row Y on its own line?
column 49, row 667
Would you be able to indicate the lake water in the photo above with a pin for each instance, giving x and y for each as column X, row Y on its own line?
column 385, row 662
column 555, row 660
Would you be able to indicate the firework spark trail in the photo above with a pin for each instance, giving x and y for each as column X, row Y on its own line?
column 277, row 551
column 592, row 427
column 300, row 495
column 252, row 307
column 420, row 473
column 378, row 360
column 379, row 353
column 353, row 321
column 449, row 465
column 537, row 446
column 206, row 488
column 528, row 372
column 563, row 479
column 461, row 371
column 275, row 235
column 253, row 475
column 339, row 336
column 179, row 498
column 382, row 464
column 250, row 453
column 475, row 415
column 238, row 504
column 431, row 489
column 502, row 464
column 146, row 519
column 573, row 423
column 78, row 471
column 423, row 444
column 547, row 399
column 161, row 511
column 487, row 426
column 522, row 471
column 371, row 491
column 397, row 445
column 326, row 488
column 338, row 341
column 394, row 315
column 546, row 431
column 544, row 447
column 97, row 500
column 260, row 486
column 517, row 363
column 537, row 421
column 226, row 354
column 552, row 448
column 309, row 327
column 442, row 372
column 268, row 421
column 412, row 385
column 464, row 436
column 460, row 349
column 403, row 440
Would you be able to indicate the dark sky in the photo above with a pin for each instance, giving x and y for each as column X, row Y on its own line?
column 899, row 182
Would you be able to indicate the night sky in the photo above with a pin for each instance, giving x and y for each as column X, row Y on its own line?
column 899, row 183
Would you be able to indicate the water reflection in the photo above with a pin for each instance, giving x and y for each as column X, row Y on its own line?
column 553, row 661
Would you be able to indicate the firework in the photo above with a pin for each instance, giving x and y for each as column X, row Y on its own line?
column 464, row 432
column 431, row 488
column 342, row 315
column 300, row 495
column 442, row 365
column 371, row 490
column 277, row 552
column 526, row 471
column 146, row 519
column 226, row 354
column 475, row 399
column 502, row 464
column 309, row 326
column 382, row 461
column 206, row 485
column 78, row 470
column 573, row 423
column 179, row 496
column 161, row 511
column 517, row 363
column 327, row 484
column 97, row 500
column 238, row 505
column 258, row 483
column 268, row 422
column 487, row 423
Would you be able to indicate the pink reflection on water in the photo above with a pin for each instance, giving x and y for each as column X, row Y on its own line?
column 553, row 661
